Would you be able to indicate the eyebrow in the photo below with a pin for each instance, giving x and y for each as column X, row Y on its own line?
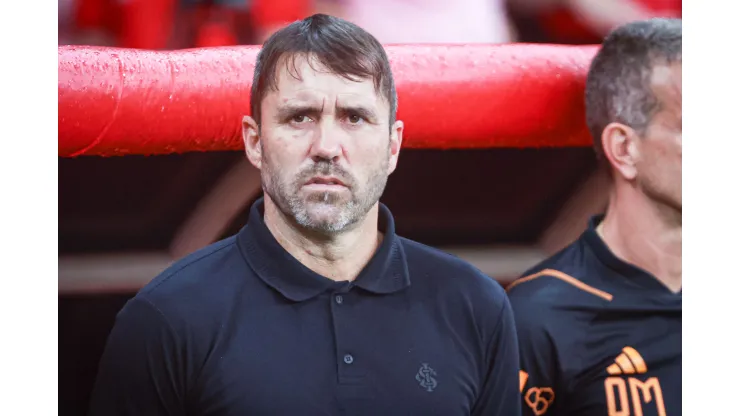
column 289, row 110
column 292, row 109
column 360, row 110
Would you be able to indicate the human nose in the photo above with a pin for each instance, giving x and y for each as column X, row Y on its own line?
column 327, row 143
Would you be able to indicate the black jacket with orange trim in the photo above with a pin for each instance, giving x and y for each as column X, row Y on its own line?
column 597, row 336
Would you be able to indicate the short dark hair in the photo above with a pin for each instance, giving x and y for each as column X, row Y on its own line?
column 342, row 47
column 618, row 86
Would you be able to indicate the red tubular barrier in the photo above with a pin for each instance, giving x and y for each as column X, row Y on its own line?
column 123, row 101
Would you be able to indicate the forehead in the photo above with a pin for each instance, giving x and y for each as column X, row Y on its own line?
column 666, row 84
column 303, row 78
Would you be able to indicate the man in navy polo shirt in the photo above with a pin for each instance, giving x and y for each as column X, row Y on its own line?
column 316, row 307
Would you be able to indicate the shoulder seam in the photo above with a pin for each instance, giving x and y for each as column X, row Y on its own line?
column 144, row 300
column 186, row 265
column 566, row 278
column 443, row 255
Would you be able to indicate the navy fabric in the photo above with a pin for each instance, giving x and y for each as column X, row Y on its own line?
column 242, row 328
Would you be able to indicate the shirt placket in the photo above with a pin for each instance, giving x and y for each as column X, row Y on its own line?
column 351, row 366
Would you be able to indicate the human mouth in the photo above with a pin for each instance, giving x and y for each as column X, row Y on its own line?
column 324, row 183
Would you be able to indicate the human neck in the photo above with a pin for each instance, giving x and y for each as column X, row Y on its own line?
column 644, row 233
column 339, row 257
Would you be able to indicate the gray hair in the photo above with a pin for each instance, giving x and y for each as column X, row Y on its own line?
column 618, row 85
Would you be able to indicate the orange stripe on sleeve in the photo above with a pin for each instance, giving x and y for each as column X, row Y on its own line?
column 566, row 278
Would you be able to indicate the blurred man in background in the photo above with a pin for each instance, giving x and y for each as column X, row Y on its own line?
column 599, row 323
column 584, row 21
column 427, row 21
column 316, row 307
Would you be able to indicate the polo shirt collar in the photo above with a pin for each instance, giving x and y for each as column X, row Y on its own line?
column 628, row 271
column 387, row 271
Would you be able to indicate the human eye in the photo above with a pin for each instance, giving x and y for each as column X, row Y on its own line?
column 299, row 119
column 355, row 119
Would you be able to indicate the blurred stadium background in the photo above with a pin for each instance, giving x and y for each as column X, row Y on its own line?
column 124, row 219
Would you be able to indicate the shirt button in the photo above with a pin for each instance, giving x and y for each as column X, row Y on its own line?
column 339, row 299
column 349, row 359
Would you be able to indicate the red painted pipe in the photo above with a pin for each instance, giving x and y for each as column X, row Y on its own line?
column 122, row 101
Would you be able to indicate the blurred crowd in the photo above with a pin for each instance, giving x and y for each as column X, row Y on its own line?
column 178, row 24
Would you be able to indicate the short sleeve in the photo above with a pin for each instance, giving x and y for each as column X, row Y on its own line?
column 539, row 370
column 499, row 395
column 140, row 372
